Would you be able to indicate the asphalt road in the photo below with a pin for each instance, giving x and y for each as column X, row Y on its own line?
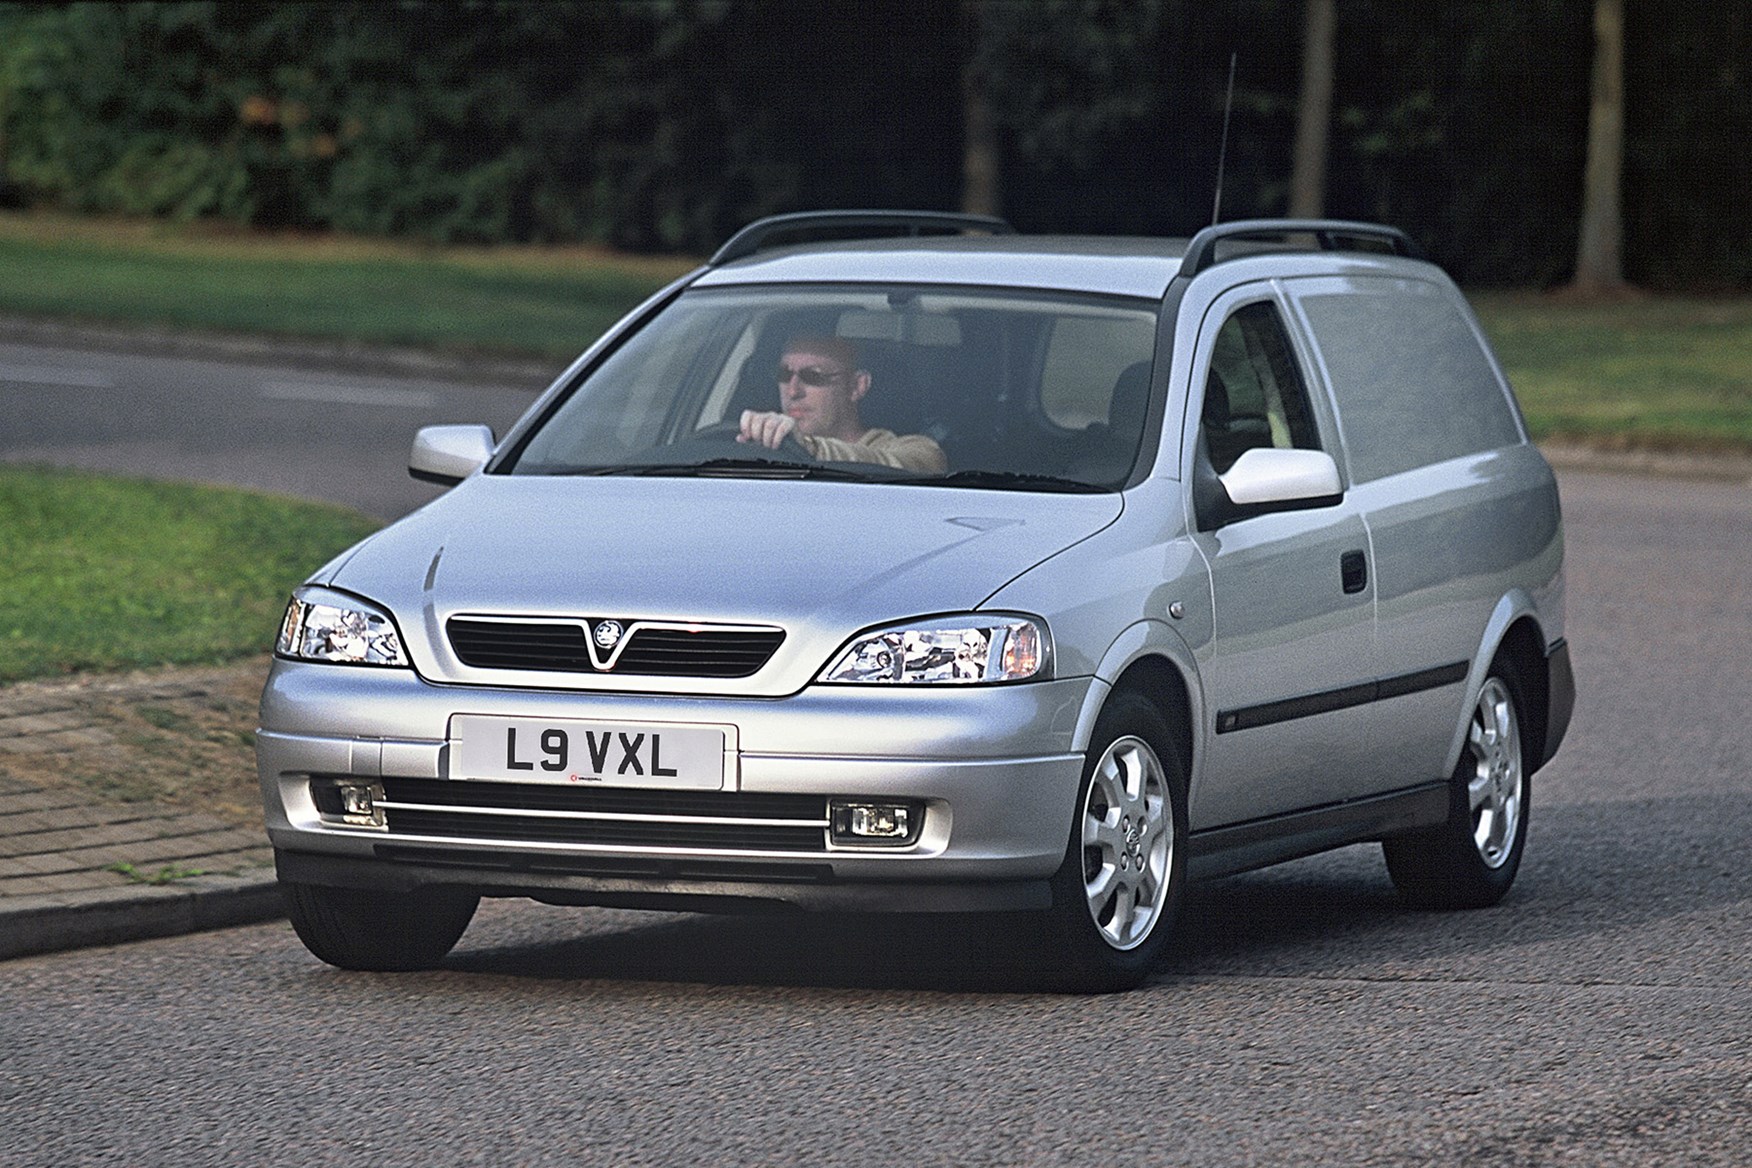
column 335, row 432
column 1600, row 1015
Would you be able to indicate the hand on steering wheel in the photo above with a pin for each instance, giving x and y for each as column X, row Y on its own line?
column 765, row 428
column 773, row 431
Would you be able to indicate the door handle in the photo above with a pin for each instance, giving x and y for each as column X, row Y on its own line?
column 1353, row 570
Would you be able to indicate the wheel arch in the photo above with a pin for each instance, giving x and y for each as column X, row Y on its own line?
column 1524, row 646
column 1150, row 660
column 1514, row 633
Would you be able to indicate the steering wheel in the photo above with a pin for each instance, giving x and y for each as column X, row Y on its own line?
column 724, row 435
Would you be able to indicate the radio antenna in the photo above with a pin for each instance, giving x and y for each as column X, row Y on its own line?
column 1223, row 149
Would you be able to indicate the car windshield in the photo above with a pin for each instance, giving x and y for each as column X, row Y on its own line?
column 912, row 384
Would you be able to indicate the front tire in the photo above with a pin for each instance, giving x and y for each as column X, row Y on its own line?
column 382, row 931
column 1119, row 888
column 1471, row 860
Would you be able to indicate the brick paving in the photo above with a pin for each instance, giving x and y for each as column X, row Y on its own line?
column 62, row 836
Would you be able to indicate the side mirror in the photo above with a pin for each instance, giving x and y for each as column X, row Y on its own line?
column 1267, row 476
column 448, row 454
column 1265, row 480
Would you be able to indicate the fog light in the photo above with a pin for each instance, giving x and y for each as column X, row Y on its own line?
column 875, row 823
column 359, row 804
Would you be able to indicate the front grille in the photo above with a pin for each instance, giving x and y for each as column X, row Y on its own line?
column 606, row 816
column 677, row 652
column 496, row 645
column 660, row 651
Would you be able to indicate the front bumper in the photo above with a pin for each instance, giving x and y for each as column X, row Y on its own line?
column 994, row 770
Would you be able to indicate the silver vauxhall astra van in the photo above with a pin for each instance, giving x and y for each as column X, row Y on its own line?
column 1135, row 561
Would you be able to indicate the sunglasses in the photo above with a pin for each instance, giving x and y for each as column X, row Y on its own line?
column 813, row 376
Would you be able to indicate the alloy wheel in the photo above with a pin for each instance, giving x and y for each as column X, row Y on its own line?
column 1128, row 843
column 1497, row 783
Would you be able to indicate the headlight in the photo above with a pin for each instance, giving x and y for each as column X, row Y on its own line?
column 321, row 625
column 964, row 650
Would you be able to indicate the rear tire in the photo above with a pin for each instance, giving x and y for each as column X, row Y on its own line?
column 1471, row 860
column 1117, row 892
column 372, row 930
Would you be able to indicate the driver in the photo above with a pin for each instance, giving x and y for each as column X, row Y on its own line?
column 820, row 386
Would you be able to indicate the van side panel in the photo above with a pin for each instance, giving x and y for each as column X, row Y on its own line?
column 1461, row 509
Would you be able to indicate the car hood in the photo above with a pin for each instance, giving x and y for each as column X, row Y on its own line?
column 820, row 560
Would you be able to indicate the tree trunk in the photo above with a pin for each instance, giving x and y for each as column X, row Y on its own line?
column 1314, row 114
column 979, row 148
column 1599, row 254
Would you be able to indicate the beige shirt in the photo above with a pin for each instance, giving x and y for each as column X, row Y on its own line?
column 906, row 451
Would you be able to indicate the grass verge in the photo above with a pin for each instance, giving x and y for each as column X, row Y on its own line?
column 547, row 302
column 1657, row 373
column 109, row 573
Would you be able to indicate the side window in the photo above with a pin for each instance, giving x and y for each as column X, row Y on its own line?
column 1411, row 383
column 1254, row 393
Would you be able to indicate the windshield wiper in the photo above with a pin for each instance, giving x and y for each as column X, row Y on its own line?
column 1008, row 480
column 717, row 468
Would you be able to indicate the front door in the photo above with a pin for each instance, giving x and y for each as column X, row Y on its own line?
column 1293, row 661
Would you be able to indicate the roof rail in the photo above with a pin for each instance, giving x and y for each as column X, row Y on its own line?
column 751, row 238
column 1330, row 234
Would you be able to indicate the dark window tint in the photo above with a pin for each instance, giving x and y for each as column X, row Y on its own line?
column 1412, row 385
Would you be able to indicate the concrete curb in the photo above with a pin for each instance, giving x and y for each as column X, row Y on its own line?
column 111, row 916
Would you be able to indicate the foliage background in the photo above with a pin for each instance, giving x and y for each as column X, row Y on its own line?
column 662, row 125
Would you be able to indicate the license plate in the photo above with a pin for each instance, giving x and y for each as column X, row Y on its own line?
column 566, row 750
